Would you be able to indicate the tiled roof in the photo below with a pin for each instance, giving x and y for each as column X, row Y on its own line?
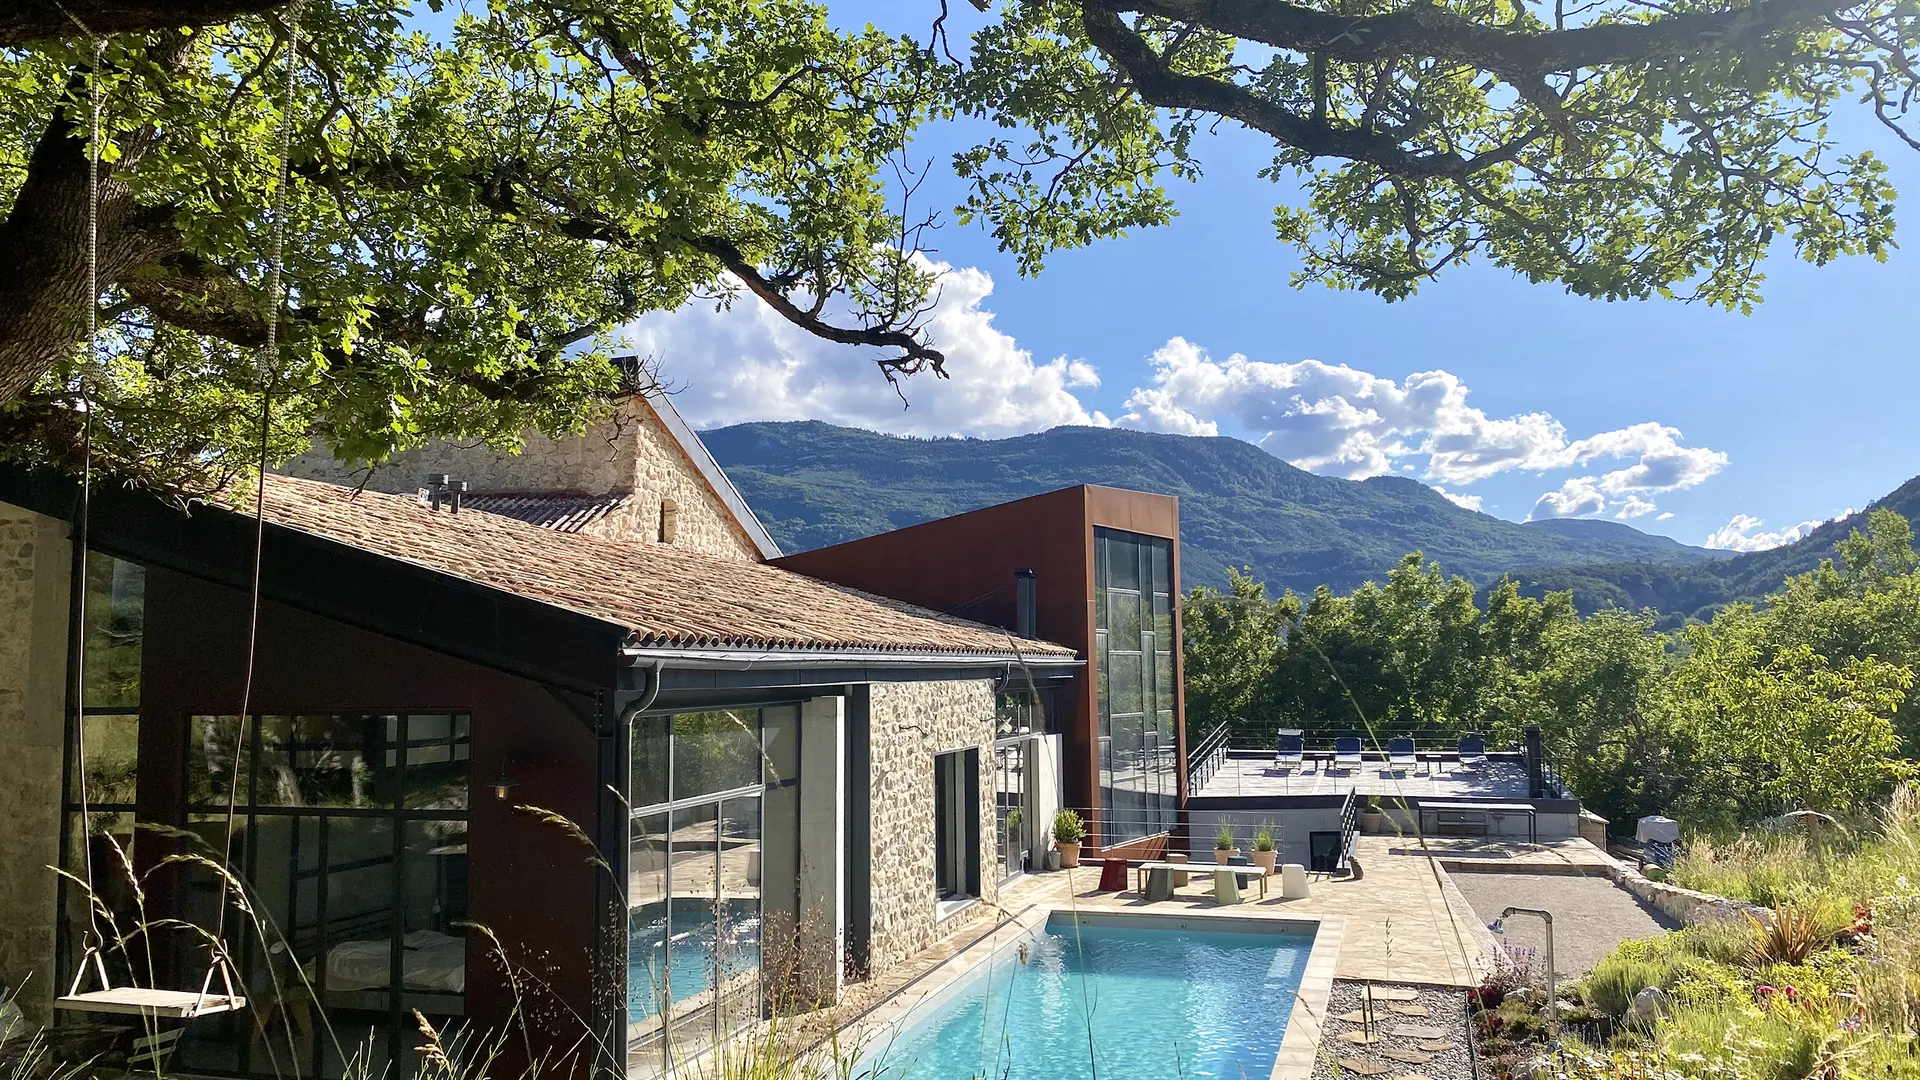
column 561, row 511
column 666, row 596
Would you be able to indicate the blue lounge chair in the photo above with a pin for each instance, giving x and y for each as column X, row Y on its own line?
column 1401, row 755
column 1473, row 751
column 1290, row 751
column 1346, row 752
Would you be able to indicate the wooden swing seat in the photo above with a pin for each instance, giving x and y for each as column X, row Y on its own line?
column 156, row 1004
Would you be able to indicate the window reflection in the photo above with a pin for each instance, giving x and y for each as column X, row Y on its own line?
column 1134, row 681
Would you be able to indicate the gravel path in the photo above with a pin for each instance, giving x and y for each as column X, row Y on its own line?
column 1430, row 1047
column 1591, row 915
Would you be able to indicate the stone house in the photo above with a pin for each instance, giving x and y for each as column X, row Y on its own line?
column 572, row 758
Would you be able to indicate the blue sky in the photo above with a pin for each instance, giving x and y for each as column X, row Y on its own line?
column 1795, row 413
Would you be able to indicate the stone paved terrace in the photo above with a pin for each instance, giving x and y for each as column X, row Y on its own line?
column 1256, row 776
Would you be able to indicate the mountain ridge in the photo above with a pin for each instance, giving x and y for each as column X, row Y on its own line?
column 815, row 484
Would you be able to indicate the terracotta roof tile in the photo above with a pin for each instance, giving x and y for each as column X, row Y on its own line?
column 666, row 596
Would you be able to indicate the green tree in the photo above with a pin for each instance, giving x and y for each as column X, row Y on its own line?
column 1231, row 641
column 465, row 219
column 1785, row 732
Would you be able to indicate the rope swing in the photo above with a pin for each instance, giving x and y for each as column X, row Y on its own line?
column 149, row 1003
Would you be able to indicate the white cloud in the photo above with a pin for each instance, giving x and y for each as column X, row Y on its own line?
column 747, row 363
column 1576, row 498
column 1739, row 535
column 1339, row 420
column 1664, row 516
column 1465, row 502
column 1635, row 506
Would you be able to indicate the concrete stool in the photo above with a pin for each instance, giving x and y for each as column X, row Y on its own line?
column 1113, row 875
column 1226, row 887
column 1293, row 882
column 1179, row 876
column 1159, row 884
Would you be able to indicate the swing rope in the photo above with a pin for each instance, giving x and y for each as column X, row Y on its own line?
column 220, row 959
column 268, row 363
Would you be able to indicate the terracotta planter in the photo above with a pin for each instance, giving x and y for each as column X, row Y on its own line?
column 1069, row 855
column 1371, row 821
column 1225, row 857
column 1265, row 860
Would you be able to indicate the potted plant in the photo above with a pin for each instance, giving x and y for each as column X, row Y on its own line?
column 1371, row 816
column 1223, row 849
column 1068, row 831
column 1263, row 853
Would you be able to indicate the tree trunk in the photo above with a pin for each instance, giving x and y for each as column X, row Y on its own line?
column 43, row 254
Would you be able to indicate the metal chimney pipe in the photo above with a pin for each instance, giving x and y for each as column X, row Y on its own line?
column 1026, row 603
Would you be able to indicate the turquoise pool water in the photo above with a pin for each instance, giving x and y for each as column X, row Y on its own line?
column 1111, row 1001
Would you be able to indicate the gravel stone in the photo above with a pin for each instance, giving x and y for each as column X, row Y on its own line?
column 1444, row 1058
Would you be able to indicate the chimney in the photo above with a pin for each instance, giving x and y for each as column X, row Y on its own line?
column 441, row 487
column 1026, row 604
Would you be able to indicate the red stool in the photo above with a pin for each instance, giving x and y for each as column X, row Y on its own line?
column 1113, row 875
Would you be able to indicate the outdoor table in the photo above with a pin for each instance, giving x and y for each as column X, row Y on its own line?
column 1486, row 810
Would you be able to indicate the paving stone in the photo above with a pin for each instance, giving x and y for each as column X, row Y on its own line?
column 1410, row 1057
column 1395, row 993
column 1354, row 1016
column 1418, row 1031
column 1364, row 1067
column 1409, row 1010
column 1358, row 1038
column 1436, row 1047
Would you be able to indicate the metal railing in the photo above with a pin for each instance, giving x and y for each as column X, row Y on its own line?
column 1205, row 760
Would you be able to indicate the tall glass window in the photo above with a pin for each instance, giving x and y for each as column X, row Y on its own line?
column 712, row 904
column 100, row 796
column 1134, row 674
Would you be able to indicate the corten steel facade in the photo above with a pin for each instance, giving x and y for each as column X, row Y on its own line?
column 966, row 564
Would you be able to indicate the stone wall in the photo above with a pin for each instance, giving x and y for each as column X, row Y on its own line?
column 1688, row 907
column 35, row 567
column 910, row 723
column 632, row 453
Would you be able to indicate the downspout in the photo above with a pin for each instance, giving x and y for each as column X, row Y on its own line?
column 615, row 781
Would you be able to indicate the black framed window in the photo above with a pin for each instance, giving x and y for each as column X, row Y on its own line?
column 103, row 733
column 1135, row 673
column 349, row 831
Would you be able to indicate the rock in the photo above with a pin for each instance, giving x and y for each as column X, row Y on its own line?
column 1436, row 1047
column 1410, row 1057
column 1530, row 1068
column 1648, row 1005
column 1409, row 1010
column 1417, row 1031
column 1396, row 994
column 1352, row 1016
column 1363, row 1067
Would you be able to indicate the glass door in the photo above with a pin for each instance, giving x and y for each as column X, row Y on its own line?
column 1012, row 837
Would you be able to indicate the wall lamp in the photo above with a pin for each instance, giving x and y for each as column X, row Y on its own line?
column 503, row 784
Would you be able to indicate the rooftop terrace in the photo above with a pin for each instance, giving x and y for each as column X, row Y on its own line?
column 1252, row 774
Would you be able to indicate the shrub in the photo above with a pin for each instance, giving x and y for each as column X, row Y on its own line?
column 1263, row 838
column 1223, row 839
column 1787, row 938
column 1615, row 980
column 1068, row 828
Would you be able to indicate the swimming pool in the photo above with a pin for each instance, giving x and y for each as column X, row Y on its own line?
column 1082, row 1001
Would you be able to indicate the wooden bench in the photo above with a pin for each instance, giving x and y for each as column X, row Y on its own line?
column 1155, row 879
